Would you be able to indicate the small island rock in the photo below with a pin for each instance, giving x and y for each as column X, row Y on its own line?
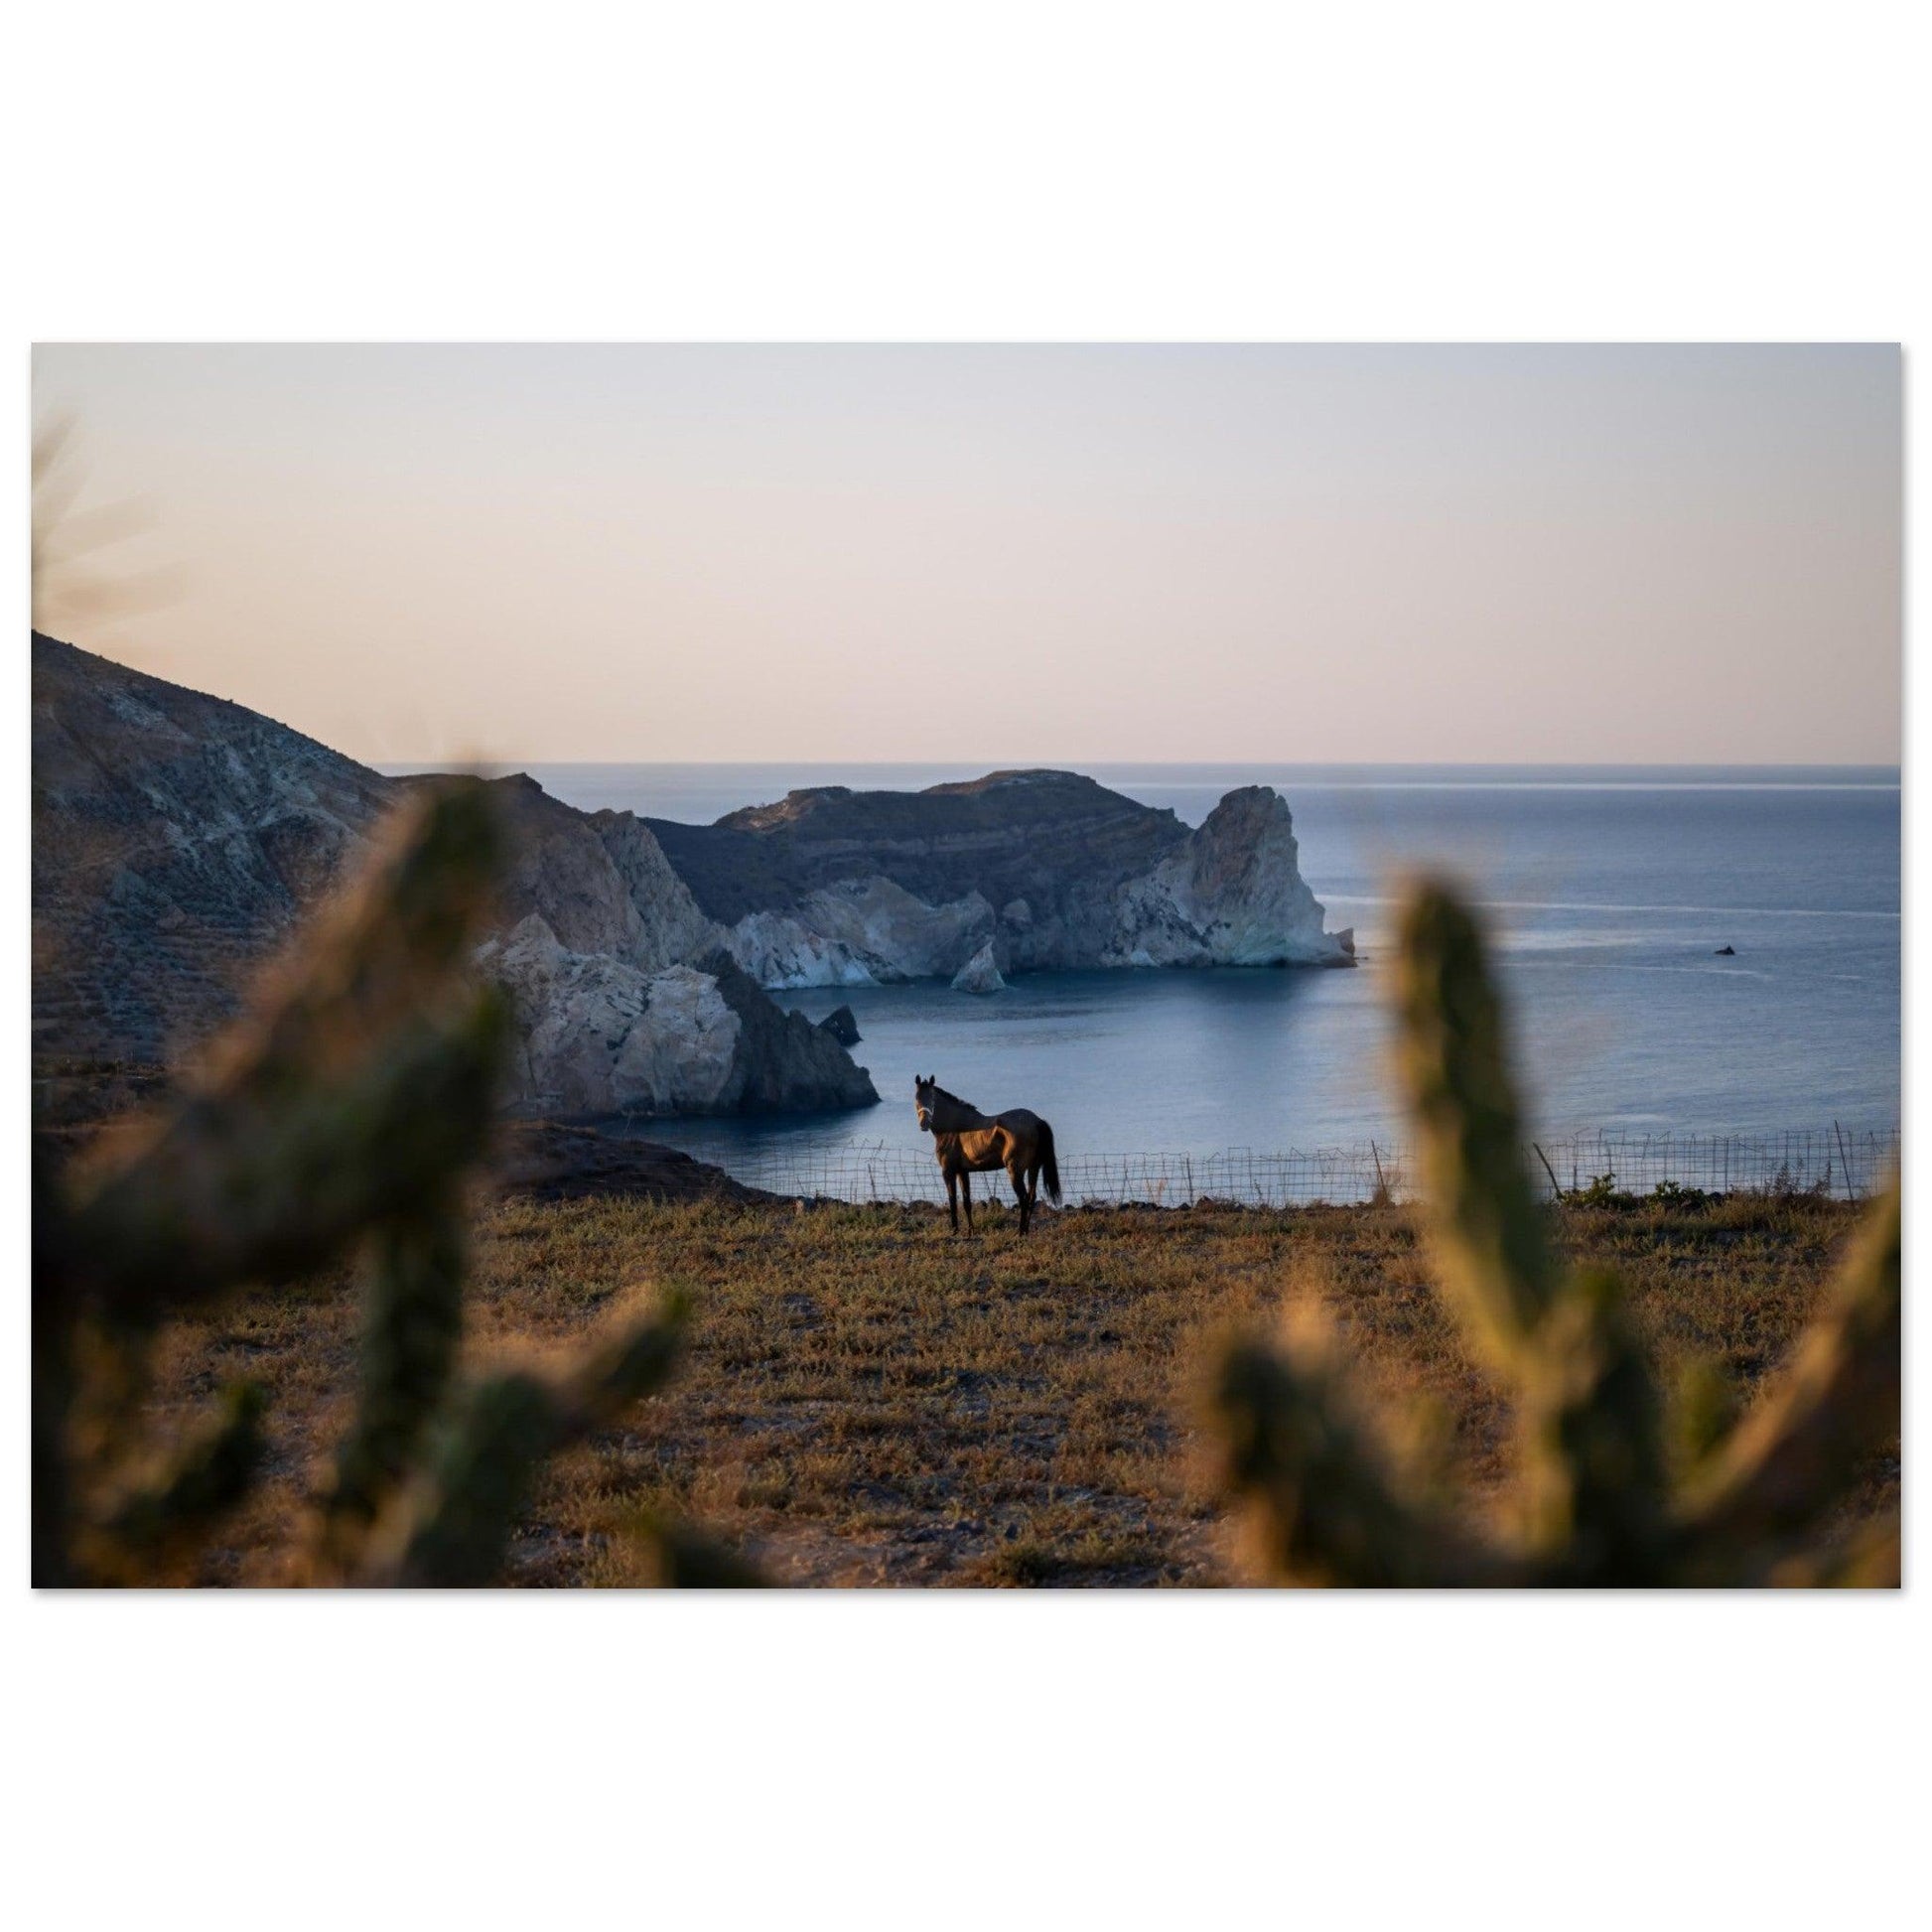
column 980, row 974
column 840, row 1023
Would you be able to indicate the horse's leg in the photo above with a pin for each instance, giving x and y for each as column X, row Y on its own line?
column 966, row 1195
column 1017, row 1175
column 952, row 1199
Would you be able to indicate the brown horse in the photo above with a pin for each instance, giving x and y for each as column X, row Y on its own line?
column 968, row 1143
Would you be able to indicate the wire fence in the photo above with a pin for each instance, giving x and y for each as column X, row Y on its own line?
column 1833, row 1161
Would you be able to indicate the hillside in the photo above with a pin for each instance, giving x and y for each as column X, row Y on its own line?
column 179, row 840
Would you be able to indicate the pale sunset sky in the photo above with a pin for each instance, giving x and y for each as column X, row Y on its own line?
column 1012, row 555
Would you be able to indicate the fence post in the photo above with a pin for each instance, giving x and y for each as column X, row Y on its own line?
column 1555, row 1190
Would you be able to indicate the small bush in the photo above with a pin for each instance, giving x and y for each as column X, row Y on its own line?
column 1601, row 1191
column 1672, row 1194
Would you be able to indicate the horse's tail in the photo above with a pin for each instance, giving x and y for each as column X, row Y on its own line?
column 1050, row 1168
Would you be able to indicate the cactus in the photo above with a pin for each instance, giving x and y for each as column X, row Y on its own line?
column 1600, row 1500
column 340, row 1113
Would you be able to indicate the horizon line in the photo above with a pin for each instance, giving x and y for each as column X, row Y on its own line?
column 989, row 766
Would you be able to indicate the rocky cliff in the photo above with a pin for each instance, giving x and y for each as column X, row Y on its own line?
column 1232, row 895
column 179, row 839
column 832, row 887
column 599, row 1036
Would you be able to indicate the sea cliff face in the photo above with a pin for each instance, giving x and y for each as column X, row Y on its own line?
column 1232, row 895
column 598, row 1037
column 179, row 840
column 859, row 932
column 1049, row 869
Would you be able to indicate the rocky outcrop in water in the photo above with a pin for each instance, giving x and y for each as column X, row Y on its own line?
column 1232, row 895
column 786, row 1063
column 179, row 840
column 832, row 887
column 980, row 974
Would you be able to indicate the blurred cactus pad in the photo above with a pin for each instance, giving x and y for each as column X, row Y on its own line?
column 1618, row 1482
column 338, row 1119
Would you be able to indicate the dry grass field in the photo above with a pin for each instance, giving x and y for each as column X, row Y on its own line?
column 867, row 1400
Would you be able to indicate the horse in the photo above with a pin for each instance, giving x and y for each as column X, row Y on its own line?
column 967, row 1142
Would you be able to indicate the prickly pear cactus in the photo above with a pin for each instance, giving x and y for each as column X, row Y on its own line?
column 341, row 1114
column 1601, row 1500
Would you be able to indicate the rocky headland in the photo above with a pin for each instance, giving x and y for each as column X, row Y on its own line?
column 832, row 887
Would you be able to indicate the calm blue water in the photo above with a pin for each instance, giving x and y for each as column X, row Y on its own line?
column 1607, row 891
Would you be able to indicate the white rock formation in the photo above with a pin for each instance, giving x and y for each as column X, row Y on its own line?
column 858, row 932
column 1232, row 895
column 779, row 950
column 980, row 974
column 598, row 1036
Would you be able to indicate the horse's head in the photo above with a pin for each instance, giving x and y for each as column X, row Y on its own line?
column 941, row 1112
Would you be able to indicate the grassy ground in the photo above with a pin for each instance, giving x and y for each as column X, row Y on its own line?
column 867, row 1400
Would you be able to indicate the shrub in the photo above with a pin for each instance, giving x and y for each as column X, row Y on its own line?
column 1673, row 1193
column 1601, row 1191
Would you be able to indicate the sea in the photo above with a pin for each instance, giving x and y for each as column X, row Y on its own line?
column 1607, row 892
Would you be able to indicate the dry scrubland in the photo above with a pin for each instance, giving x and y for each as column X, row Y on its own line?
column 867, row 1400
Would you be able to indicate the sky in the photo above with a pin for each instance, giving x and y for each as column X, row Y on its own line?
column 1054, row 555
